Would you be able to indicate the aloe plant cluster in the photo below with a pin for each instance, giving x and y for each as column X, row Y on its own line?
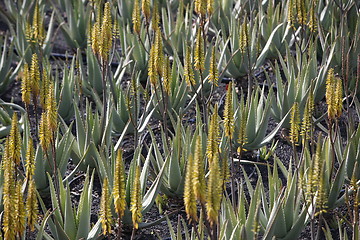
column 151, row 72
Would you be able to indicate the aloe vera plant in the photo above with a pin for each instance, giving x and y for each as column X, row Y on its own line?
column 251, row 119
column 75, row 27
column 7, row 73
column 143, row 79
column 68, row 222
column 299, row 80
column 176, row 153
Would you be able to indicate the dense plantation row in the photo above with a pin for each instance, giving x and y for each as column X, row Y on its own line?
column 79, row 79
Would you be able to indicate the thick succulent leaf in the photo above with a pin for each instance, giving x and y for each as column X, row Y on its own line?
column 151, row 194
column 266, row 48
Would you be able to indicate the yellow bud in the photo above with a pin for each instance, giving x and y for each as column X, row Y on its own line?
column 210, row 7
column 35, row 32
column 290, row 12
column 312, row 20
column 44, row 132
column 119, row 186
column 32, row 205
column 229, row 113
column 198, row 177
column 189, row 194
column 155, row 20
column 105, row 211
column 106, row 33
column 214, row 191
column 200, row 7
column 338, row 97
column 8, row 194
column 294, row 123
column 30, row 159
column 136, row 198
column 242, row 138
column 136, row 17
column 26, row 86
column 199, row 55
column 152, row 71
column 145, row 6
column 14, row 141
column 301, row 12
column 213, row 136
column 306, row 122
column 159, row 54
column 188, row 68
column 333, row 95
column 51, row 110
column 95, row 37
column 244, row 37
column 44, row 90
column 213, row 72
column 19, row 212
column 166, row 75
column 35, row 75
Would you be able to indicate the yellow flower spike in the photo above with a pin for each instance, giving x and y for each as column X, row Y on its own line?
column 136, row 17
column 290, row 12
column 136, row 204
column 301, row 12
column 119, row 186
column 116, row 30
column 188, row 68
column 242, row 138
column 229, row 113
column 199, row 55
column 152, row 71
column 32, row 205
column 105, row 211
column 159, row 54
column 189, row 194
column 312, row 19
column 210, row 7
column 306, row 121
column 106, row 33
column 214, row 191
column 95, row 41
column 314, row 176
column 51, row 110
column 30, row 159
column 28, row 32
column 294, row 123
column 26, row 85
column 15, row 141
column 225, row 172
column 244, row 37
column 198, row 178
column 155, row 19
column 36, row 33
column 200, row 7
column 213, row 72
column 19, row 212
column 44, row 132
column 338, row 97
column 44, row 90
column 329, row 95
column 213, row 135
column 333, row 95
column 8, row 166
column 321, row 198
column 35, row 75
column 166, row 75
column 145, row 6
